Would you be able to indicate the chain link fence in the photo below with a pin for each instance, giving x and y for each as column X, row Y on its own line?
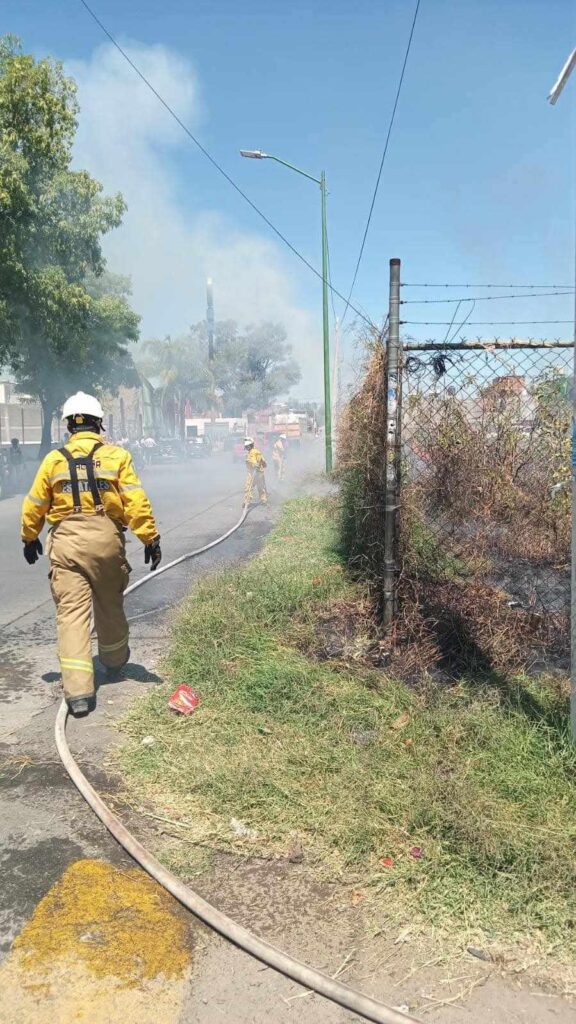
column 486, row 470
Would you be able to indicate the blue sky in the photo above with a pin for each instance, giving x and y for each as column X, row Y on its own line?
column 478, row 185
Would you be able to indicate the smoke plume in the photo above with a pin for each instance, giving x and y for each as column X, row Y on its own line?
column 130, row 143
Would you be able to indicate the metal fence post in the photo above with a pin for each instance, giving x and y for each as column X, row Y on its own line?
column 573, row 544
column 393, row 425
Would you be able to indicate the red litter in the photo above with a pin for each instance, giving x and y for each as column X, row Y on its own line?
column 416, row 851
column 387, row 862
column 185, row 700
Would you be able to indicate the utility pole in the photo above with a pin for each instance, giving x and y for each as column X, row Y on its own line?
column 553, row 96
column 210, row 318
column 392, row 468
column 336, row 374
column 326, row 331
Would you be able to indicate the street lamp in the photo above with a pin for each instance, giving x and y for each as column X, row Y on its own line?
column 552, row 97
column 257, row 154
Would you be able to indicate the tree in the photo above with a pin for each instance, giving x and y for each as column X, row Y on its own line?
column 184, row 375
column 248, row 371
column 251, row 368
column 58, row 325
column 99, row 361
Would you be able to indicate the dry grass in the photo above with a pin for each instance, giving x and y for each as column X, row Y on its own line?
column 352, row 764
column 479, row 524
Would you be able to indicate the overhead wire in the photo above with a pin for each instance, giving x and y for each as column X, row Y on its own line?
column 484, row 323
column 461, row 325
column 214, row 162
column 410, row 284
column 385, row 151
column 482, row 298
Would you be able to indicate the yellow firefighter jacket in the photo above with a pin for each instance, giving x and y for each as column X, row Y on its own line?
column 123, row 497
column 255, row 459
column 279, row 451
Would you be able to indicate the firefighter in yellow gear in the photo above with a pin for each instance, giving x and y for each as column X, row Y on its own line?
column 255, row 466
column 89, row 493
column 279, row 456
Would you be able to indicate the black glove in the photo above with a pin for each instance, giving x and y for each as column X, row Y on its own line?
column 32, row 551
column 152, row 553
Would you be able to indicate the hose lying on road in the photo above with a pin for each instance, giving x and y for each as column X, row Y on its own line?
column 270, row 955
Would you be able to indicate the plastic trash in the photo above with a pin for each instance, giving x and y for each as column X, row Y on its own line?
column 185, row 700
column 241, row 829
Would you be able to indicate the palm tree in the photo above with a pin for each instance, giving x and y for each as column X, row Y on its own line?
column 184, row 377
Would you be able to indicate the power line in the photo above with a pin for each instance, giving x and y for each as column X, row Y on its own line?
column 481, row 298
column 376, row 187
column 483, row 323
column 464, row 321
column 565, row 287
column 214, row 162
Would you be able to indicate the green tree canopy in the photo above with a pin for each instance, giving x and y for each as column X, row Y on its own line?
column 61, row 326
column 249, row 370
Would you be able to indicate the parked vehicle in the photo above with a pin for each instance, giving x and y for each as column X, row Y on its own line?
column 198, row 447
column 170, row 450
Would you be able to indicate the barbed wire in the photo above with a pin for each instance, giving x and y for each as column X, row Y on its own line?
column 482, row 298
column 483, row 323
column 409, row 284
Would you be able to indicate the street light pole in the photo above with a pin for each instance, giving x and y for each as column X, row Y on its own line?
column 210, row 318
column 326, row 332
column 257, row 154
column 552, row 97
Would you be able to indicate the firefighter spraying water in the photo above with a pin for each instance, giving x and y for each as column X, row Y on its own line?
column 89, row 493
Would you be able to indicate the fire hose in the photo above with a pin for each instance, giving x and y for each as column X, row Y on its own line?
column 343, row 995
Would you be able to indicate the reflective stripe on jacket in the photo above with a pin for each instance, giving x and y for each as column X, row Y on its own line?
column 255, row 459
column 123, row 497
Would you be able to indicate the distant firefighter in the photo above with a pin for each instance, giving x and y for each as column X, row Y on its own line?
column 279, row 456
column 255, row 466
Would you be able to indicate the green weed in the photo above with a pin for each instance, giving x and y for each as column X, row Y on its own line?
column 479, row 775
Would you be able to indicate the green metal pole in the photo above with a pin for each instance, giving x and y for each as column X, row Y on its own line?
column 326, row 332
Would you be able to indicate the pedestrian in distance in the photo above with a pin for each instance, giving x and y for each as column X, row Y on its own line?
column 16, row 464
column 255, row 466
column 89, row 493
column 148, row 444
column 279, row 456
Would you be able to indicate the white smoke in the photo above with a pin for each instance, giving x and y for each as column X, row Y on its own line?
column 128, row 140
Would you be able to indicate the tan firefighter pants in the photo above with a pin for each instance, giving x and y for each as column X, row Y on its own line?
column 89, row 572
column 279, row 466
column 255, row 476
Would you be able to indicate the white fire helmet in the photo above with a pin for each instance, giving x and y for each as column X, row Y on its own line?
column 248, row 442
column 81, row 404
column 282, row 437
